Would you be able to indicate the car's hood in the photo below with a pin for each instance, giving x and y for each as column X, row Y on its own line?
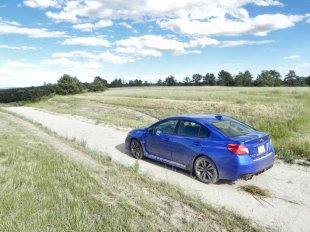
column 139, row 129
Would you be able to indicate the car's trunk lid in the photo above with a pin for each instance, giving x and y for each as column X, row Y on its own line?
column 257, row 142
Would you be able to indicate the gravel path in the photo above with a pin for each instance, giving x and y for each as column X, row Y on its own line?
column 287, row 210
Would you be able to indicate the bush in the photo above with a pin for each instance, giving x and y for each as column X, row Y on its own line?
column 69, row 85
column 26, row 94
column 98, row 85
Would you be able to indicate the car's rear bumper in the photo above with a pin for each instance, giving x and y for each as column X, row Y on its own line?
column 249, row 176
column 249, row 167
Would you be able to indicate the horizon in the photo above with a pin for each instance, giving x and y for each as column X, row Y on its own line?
column 155, row 83
column 150, row 40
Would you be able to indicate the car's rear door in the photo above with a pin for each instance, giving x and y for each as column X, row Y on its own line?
column 188, row 142
column 158, row 143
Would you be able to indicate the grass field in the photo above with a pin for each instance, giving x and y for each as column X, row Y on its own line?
column 283, row 112
column 42, row 190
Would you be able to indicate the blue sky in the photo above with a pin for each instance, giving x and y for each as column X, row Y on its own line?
column 42, row 39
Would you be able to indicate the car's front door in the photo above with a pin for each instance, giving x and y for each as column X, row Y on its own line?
column 157, row 141
column 188, row 142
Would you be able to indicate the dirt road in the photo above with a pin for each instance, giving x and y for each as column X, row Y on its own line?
column 287, row 210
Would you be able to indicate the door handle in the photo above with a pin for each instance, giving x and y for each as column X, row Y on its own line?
column 196, row 144
column 166, row 139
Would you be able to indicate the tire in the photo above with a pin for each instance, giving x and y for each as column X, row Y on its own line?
column 205, row 170
column 136, row 149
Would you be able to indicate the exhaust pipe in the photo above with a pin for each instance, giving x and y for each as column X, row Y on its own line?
column 247, row 177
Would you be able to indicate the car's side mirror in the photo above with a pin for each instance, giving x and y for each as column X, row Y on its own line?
column 151, row 130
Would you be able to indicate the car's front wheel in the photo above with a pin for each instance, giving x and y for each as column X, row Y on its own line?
column 136, row 149
column 205, row 170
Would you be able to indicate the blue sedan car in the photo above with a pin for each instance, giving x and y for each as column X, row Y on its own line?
column 211, row 146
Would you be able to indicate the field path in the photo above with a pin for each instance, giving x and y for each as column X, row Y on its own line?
column 287, row 210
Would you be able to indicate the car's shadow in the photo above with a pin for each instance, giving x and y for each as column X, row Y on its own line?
column 121, row 148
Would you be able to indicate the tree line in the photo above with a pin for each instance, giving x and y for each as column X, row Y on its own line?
column 65, row 85
column 224, row 78
column 72, row 85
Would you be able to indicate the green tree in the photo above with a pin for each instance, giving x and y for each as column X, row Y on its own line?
column 243, row 79
column 160, row 82
column 268, row 78
column 138, row 82
column 69, row 85
column 307, row 80
column 170, row 81
column 186, row 81
column 209, row 79
column 291, row 79
column 98, row 85
column 196, row 79
column 225, row 78
column 116, row 83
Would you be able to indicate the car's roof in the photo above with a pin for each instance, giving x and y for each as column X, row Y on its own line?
column 202, row 118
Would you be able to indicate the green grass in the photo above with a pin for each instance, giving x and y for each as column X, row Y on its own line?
column 283, row 112
column 41, row 190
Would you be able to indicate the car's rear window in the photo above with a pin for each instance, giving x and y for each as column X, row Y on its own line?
column 232, row 128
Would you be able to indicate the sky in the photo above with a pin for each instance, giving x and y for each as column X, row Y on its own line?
column 40, row 40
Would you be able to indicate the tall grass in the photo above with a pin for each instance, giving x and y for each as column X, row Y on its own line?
column 40, row 190
column 283, row 112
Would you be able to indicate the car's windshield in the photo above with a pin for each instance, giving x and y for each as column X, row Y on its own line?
column 232, row 128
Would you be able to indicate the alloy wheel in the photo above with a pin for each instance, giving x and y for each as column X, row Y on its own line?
column 136, row 149
column 205, row 170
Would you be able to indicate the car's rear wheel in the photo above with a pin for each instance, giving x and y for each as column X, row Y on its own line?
column 136, row 149
column 205, row 170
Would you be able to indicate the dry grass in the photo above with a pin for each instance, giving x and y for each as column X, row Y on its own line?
column 256, row 191
column 283, row 112
column 260, row 194
column 41, row 190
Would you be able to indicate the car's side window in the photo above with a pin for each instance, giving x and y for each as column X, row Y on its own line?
column 192, row 129
column 167, row 127
column 204, row 132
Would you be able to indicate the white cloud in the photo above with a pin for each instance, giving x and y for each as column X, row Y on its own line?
column 43, row 3
column 153, row 42
column 18, row 64
column 91, row 26
column 205, row 41
column 202, row 42
column 235, row 43
column 138, row 51
column 291, row 57
column 153, row 45
column 307, row 16
column 126, row 25
column 261, row 25
column 74, row 54
column 140, row 9
column 68, row 14
column 186, row 17
column 23, row 48
column 115, row 59
column 7, row 27
column 72, row 64
column 61, row 58
column 87, row 41
column 62, row 62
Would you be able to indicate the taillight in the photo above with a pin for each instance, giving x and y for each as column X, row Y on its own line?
column 238, row 149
